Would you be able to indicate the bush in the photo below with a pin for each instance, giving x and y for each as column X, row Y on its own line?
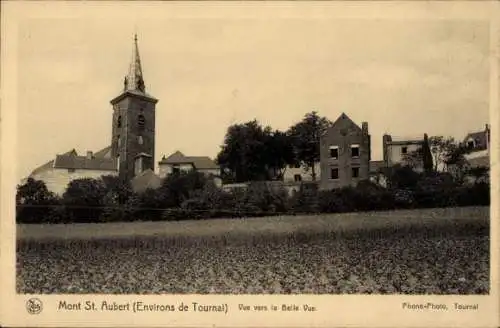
column 306, row 200
column 36, row 204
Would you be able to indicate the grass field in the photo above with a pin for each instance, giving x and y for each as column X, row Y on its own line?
column 437, row 251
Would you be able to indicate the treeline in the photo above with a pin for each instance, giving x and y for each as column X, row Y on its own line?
column 191, row 195
column 252, row 152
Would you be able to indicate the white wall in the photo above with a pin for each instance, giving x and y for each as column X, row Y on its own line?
column 290, row 173
column 395, row 152
column 166, row 169
column 57, row 179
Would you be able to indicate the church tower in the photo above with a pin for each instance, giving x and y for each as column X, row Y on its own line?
column 133, row 126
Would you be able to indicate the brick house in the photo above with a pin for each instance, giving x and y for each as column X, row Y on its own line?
column 344, row 154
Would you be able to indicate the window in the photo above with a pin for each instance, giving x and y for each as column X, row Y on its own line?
column 334, row 152
column 141, row 121
column 355, row 151
column 355, row 172
column 334, row 174
column 138, row 166
column 297, row 177
column 140, row 140
column 176, row 169
column 470, row 144
column 404, row 150
column 119, row 122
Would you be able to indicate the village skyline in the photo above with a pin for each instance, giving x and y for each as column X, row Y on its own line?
column 405, row 79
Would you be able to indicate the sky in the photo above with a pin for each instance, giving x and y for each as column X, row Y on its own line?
column 405, row 77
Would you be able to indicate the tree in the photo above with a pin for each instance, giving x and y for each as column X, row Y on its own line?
column 427, row 155
column 306, row 136
column 84, row 199
column 279, row 153
column 252, row 152
column 35, row 203
column 443, row 150
column 118, row 189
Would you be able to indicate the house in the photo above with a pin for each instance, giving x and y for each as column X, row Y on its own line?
column 477, row 155
column 477, row 146
column 69, row 166
column 396, row 150
column 179, row 162
column 297, row 173
column 344, row 154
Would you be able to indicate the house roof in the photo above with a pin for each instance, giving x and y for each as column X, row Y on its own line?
column 82, row 162
column 50, row 163
column 146, row 180
column 103, row 153
column 479, row 139
column 343, row 122
column 199, row 162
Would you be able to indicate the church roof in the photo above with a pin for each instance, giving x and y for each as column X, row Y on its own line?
column 134, row 79
column 199, row 162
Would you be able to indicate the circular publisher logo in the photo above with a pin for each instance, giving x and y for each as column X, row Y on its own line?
column 34, row 306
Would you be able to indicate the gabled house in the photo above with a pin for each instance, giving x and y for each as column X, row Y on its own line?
column 477, row 146
column 179, row 162
column 344, row 154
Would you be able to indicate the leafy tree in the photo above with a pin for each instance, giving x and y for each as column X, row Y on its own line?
column 35, row 203
column 252, row 152
column 179, row 187
column 85, row 198
column 279, row 153
column 118, row 189
column 444, row 151
column 306, row 136
column 401, row 177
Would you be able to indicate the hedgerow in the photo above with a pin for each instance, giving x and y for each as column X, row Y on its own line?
column 191, row 196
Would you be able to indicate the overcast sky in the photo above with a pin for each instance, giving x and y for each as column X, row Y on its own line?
column 404, row 77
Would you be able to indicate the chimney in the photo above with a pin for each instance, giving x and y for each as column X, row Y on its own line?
column 364, row 127
column 89, row 155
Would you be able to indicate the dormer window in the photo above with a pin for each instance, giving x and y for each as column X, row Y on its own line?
column 141, row 122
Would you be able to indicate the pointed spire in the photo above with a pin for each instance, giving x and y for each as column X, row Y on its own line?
column 134, row 80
